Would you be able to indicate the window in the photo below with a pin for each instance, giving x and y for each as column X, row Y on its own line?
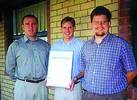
column 39, row 10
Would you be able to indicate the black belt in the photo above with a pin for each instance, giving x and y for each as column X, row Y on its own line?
column 31, row 81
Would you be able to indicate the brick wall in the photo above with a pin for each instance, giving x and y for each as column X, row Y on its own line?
column 80, row 10
column 124, row 24
column 6, row 85
column 1, row 53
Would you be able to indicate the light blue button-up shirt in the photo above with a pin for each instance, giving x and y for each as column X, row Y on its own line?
column 27, row 59
column 75, row 46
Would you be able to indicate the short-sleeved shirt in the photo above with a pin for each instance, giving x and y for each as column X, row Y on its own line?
column 106, row 64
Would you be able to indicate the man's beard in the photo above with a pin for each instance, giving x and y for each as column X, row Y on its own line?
column 100, row 35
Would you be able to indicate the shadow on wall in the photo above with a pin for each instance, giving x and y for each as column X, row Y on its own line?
column 133, row 22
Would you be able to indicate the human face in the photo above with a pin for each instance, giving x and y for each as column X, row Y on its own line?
column 30, row 27
column 100, row 25
column 68, row 31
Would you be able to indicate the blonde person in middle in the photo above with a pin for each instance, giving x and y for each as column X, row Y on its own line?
column 70, row 43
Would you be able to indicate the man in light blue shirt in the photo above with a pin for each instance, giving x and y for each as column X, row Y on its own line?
column 69, row 43
column 27, row 61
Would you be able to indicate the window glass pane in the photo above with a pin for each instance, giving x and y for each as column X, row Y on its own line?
column 39, row 10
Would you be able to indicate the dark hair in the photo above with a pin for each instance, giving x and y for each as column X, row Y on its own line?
column 68, row 19
column 100, row 10
column 32, row 16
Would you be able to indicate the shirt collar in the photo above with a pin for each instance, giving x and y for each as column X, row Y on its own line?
column 69, row 42
column 106, row 39
column 26, row 39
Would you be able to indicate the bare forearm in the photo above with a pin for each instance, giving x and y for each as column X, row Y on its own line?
column 130, row 76
column 75, row 80
column 79, row 76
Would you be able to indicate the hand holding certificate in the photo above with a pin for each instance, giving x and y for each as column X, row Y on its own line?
column 59, row 69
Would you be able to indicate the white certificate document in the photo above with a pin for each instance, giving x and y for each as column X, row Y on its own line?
column 59, row 69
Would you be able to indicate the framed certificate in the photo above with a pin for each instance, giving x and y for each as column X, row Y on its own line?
column 59, row 69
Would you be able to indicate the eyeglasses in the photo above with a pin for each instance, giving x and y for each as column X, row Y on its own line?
column 100, row 22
